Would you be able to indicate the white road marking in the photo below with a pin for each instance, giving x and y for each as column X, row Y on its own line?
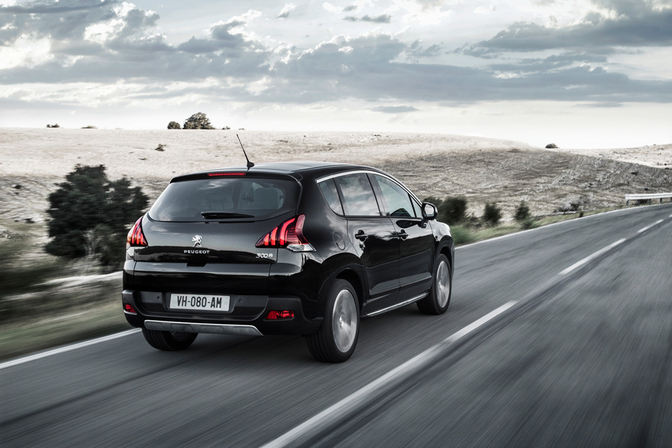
column 66, row 348
column 648, row 227
column 343, row 407
column 590, row 257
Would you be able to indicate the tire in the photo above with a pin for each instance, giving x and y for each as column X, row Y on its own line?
column 336, row 339
column 168, row 340
column 438, row 299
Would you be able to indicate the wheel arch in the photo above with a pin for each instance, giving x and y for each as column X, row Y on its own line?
column 352, row 277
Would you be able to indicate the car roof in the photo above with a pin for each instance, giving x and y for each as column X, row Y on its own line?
column 293, row 167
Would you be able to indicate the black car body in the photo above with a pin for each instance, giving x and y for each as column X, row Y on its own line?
column 283, row 248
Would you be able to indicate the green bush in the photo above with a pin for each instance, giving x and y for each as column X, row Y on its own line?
column 492, row 214
column 522, row 213
column 451, row 210
column 174, row 125
column 90, row 214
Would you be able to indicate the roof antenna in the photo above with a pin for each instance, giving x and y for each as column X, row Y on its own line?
column 249, row 164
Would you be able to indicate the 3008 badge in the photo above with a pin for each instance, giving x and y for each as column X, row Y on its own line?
column 264, row 255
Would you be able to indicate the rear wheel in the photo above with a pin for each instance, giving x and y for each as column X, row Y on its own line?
column 336, row 339
column 438, row 299
column 168, row 340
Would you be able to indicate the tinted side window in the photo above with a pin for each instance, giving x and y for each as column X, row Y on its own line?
column 328, row 189
column 358, row 195
column 398, row 201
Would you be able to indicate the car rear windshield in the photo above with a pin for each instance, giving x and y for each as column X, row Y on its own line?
column 222, row 199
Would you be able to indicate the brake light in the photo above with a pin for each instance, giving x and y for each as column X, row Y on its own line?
column 135, row 236
column 277, row 315
column 289, row 234
column 241, row 173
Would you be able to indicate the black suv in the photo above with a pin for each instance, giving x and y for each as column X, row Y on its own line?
column 283, row 248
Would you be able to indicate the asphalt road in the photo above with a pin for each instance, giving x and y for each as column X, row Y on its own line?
column 582, row 359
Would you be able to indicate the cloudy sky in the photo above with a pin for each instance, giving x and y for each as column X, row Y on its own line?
column 591, row 73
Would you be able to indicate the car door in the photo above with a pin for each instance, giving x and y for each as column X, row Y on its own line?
column 374, row 239
column 416, row 240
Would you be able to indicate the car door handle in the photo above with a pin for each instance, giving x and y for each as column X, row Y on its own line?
column 361, row 235
column 403, row 235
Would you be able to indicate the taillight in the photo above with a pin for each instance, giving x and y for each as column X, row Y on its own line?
column 135, row 236
column 289, row 234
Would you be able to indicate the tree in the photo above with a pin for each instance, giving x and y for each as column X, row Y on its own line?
column 492, row 214
column 198, row 121
column 522, row 212
column 88, row 205
column 174, row 125
column 452, row 210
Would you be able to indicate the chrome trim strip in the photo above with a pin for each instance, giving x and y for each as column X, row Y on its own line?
column 398, row 305
column 201, row 327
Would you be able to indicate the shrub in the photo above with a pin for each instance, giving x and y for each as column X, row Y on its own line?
column 522, row 212
column 198, row 121
column 84, row 202
column 451, row 210
column 492, row 214
column 174, row 125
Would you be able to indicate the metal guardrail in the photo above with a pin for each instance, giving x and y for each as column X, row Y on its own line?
column 649, row 197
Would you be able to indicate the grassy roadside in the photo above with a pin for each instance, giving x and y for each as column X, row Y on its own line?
column 50, row 316
column 28, row 337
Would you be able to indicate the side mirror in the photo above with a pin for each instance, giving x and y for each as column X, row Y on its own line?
column 429, row 211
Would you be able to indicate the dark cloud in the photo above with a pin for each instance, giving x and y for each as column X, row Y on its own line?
column 383, row 18
column 418, row 51
column 394, row 109
column 64, row 6
column 350, row 8
column 63, row 20
column 375, row 67
column 553, row 62
column 646, row 29
column 369, row 71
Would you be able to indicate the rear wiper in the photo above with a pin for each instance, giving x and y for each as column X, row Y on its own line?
column 219, row 215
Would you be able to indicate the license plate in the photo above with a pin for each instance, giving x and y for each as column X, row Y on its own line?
column 199, row 302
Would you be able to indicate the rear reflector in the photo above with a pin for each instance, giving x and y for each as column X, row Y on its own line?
column 135, row 236
column 241, row 173
column 277, row 315
column 128, row 309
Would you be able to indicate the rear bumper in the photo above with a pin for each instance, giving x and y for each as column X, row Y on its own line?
column 200, row 327
column 247, row 317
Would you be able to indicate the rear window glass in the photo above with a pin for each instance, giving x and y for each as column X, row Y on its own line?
column 358, row 195
column 225, row 198
column 330, row 194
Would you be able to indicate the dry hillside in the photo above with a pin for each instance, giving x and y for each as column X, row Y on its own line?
column 33, row 161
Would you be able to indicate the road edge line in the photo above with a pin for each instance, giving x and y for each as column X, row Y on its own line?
column 66, row 348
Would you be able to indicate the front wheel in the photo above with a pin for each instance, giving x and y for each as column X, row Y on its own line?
column 168, row 340
column 336, row 339
column 438, row 299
